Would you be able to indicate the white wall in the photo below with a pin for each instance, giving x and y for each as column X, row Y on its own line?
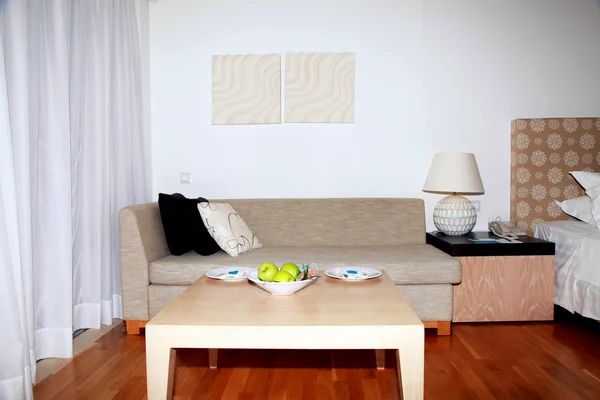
column 431, row 76
column 142, row 9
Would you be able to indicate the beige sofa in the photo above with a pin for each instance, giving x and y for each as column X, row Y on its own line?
column 388, row 234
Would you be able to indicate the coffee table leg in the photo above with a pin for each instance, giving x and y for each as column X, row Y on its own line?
column 160, row 368
column 171, row 381
column 411, row 359
column 380, row 358
column 212, row 358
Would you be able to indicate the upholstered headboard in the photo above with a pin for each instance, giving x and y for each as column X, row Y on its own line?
column 543, row 152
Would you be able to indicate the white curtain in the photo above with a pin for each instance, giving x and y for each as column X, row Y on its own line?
column 107, row 149
column 71, row 155
column 17, row 363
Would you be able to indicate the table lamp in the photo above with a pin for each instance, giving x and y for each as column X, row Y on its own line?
column 454, row 173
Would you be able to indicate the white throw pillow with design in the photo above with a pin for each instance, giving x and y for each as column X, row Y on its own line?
column 227, row 228
column 580, row 208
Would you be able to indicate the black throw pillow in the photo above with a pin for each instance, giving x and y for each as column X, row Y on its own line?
column 184, row 229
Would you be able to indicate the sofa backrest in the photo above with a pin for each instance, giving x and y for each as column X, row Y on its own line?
column 298, row 222
column 334, row 222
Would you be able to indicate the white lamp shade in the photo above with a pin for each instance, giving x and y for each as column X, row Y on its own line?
column 454, row 173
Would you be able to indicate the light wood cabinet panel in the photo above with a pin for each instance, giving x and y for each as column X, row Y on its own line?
column 505, row 288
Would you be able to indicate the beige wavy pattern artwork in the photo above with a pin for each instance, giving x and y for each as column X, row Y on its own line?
column 319, row 87
column 246, row 89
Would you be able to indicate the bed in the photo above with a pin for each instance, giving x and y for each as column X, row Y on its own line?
column 543, row 152
column 577, row 265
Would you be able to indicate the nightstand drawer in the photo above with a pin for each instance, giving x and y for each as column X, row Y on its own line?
column 505, row 288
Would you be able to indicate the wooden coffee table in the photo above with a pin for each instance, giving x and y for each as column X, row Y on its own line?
column 330, row 314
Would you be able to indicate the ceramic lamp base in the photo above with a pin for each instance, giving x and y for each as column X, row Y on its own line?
column 454, row 215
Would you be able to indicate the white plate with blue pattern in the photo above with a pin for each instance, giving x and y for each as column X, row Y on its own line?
column 353, row 273
column 230, row 273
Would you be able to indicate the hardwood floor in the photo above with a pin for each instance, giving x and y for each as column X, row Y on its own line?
column 559, row 360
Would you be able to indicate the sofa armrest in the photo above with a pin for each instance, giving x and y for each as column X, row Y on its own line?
column 141, row 241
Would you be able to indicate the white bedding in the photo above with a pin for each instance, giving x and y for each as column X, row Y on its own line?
column 577, row 263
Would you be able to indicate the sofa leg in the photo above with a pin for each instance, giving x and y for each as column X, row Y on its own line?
column 133, row 327
column 444, row 328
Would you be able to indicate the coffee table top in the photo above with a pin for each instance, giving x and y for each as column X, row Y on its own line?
column 328, row 302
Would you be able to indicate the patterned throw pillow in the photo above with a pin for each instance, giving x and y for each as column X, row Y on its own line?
column 227, row 228
column 580, row 208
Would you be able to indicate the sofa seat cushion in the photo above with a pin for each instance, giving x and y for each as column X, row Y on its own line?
column 407, row 264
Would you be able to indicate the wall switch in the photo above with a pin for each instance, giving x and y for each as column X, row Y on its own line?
column 477, row 205
column 186, row 177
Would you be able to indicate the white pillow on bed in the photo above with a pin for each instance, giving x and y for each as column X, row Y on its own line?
column 594, row 194
column 580, row 208
column 586, row 179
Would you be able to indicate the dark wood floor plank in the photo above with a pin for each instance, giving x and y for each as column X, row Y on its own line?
column 559, row 360
column 134, row 389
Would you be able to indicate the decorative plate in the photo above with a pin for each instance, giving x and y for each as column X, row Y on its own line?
column 353, row 273
column 229, row 273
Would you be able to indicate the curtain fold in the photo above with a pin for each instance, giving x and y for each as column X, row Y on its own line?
column 16, row 284
column 50, row 176
column 107, row 150
column 71, row 155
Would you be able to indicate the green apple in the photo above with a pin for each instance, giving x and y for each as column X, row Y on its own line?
column 291, row 268
column 267, row 271
column 283, row 276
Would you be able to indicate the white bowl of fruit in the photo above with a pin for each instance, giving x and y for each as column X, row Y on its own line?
column 286, row 280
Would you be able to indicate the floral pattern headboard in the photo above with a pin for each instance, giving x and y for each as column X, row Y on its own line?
column 543, row 152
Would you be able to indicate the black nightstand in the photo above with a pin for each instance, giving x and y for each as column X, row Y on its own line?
column 501, row 281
